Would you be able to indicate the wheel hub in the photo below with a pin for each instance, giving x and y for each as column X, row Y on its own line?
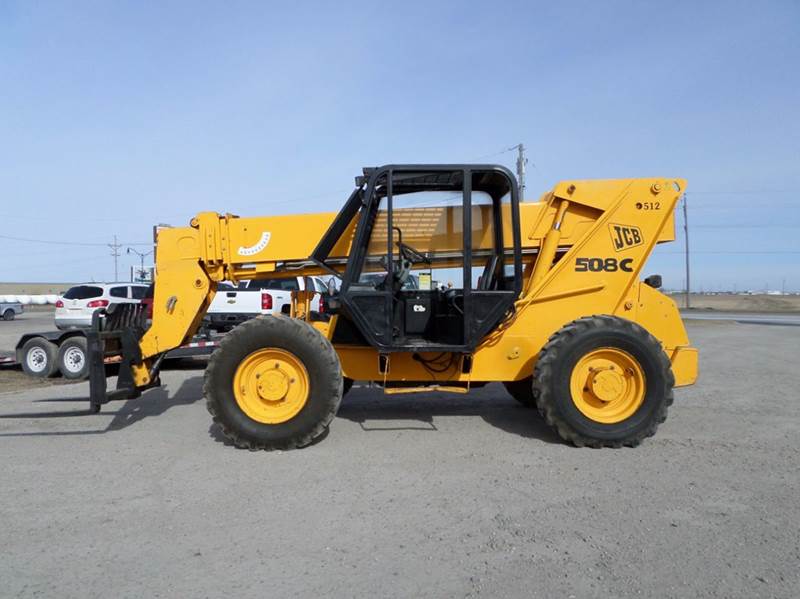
column 608, row 385
column 37, row 359
column 271, row 385
column 73, row 359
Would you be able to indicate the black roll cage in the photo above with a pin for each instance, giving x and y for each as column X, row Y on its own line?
column 389, row 180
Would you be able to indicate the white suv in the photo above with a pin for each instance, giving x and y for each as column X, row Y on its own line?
column 74, row 309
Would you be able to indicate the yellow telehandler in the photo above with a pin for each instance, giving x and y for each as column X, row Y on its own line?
column 441, row 279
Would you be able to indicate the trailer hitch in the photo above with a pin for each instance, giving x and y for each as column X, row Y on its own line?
column 115, row 333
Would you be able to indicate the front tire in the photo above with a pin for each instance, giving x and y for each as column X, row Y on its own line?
column 603, row 381
column 8, row 315
column 273, row 383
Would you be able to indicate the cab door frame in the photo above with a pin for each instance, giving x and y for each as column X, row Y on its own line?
column 372, row 310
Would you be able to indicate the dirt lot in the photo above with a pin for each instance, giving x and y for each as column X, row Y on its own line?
column 429, row 496
column 34, row 288
column 742, row 303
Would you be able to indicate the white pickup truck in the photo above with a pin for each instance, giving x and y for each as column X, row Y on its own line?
column 234, row 305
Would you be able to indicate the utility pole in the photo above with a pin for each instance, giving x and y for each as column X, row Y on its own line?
column 521, row 169
column 686, row 237
column 521, row 162
column 115, row 247
column 141, row 261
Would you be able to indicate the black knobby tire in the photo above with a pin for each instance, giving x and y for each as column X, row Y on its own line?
column 522, row 391
column 8, row 315
column 551, row 385
column 73, row 359
column 310, row 347
column 347, row 384
column 39, row 358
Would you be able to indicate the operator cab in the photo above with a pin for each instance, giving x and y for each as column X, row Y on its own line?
column 434, row 258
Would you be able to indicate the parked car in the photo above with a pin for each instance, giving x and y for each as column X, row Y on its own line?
column 9, row 310
column 74, row 309
column 234, row 305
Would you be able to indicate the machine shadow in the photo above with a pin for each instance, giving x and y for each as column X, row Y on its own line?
column 156, row 403
column 364, row 405
column 215, row 432
column 152, row 403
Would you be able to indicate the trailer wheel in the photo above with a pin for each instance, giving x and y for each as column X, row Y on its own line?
column 603, row 381
column 39, row 358
column 8, row 315
column 522, row 391
column 73, row 359
column 273, row 383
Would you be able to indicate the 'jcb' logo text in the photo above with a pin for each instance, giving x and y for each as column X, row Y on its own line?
column 625, row 236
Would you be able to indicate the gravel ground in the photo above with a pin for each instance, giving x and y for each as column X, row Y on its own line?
column 426, row 496
column 28, row 322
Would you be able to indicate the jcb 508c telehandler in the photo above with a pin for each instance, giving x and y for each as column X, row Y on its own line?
column 447, row 281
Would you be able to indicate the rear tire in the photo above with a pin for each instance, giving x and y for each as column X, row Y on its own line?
column 522, row 391
column 8, row 315
column 297, row 340
column 39, row 358
column 648, row 370
column 73, row 359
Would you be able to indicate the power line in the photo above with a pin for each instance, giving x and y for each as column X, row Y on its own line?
column 51, row 242
column 76, row 243
column 61, row 218
column 511, row 149
column 756, row 226
column 780, row 252
column 745, row 192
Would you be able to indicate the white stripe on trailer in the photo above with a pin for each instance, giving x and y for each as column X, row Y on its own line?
column 199, row 344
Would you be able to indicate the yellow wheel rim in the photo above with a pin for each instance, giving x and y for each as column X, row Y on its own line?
column 271, row 386
column 608, row 385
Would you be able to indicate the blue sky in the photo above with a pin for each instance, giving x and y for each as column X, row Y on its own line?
column 115, row 116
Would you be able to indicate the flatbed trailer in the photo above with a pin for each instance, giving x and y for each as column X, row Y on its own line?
column 45, row 354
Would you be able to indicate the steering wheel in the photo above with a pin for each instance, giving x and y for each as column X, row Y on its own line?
column 411, row 254
column 452, row 296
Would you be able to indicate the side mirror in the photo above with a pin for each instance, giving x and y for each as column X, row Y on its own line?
column 653, row 281
column 331, row 286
